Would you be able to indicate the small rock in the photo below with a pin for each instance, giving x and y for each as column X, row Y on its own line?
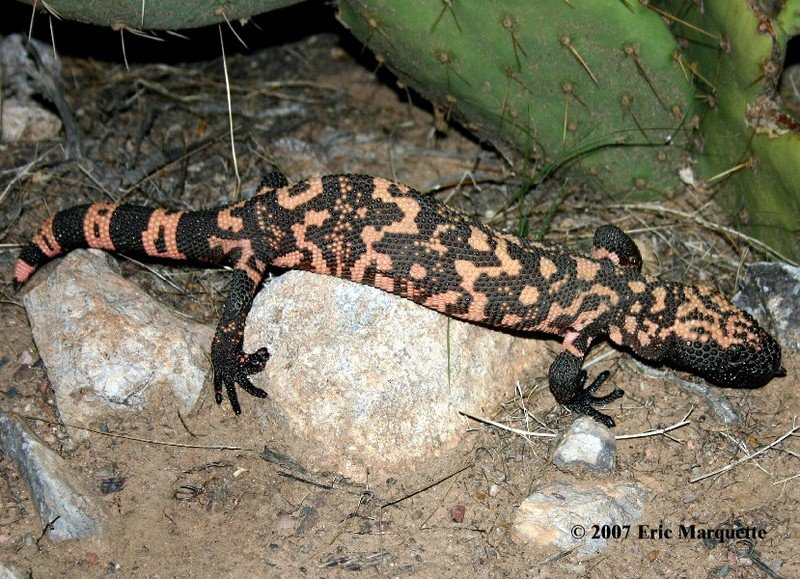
column 112, row 485
column 56, row 491
column 361, row 378
column 107, row 343
column 587, row 445
column 91, row 558
column 28, row 122
column 560, row 516
column 722, row 571
column 457, row 513
column 284, row 525
column 9, row 572
column 771, row 293
column 23, row 118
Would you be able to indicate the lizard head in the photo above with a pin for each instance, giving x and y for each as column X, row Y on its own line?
column 716, row 340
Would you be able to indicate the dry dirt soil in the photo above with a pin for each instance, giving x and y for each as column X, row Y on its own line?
column 307, row 100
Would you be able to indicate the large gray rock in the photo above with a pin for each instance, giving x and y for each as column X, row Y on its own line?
column 65, row 507
column 360, row 377
column 771, row 292
column 106, row 343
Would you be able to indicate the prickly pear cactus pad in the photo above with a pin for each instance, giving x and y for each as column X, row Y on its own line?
column 749, row 146
column 158, row 14
column 593, row 85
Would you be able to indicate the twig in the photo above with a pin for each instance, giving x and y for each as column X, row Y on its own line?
column 656, row 432
column 161, row 160
column 732, row 465
column 600, row 357
column 508, row 428
column 426, row 487
column 787, row 479
column 720, row 406
column 48, row 84
column 24, row 171
column 128, row 436
column 167, row 280
column 307, row 481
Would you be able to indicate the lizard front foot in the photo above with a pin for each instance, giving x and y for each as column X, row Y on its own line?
column 584, row 401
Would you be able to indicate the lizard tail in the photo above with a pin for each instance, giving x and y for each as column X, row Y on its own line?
column 130, row 229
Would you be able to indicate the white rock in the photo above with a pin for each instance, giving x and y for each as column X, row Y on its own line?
column 29, row 122
column 587, row 445
column 7, row 571
column 106, row 342
column 560, row 516
column 360, row 376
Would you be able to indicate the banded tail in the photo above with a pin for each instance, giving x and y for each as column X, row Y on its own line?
column 129, row 229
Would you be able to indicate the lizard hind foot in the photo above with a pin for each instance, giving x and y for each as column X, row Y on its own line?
column 228, row 375
column 610, row 242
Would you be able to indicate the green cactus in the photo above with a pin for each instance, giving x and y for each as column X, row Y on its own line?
column 609, row 87
column 158, row 14
column 736, row 53
column 789, row 17
column 592, row 83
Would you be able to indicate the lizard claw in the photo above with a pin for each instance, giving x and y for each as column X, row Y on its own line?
column 584, row 402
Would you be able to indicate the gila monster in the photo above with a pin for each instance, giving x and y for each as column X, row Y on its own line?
column 384, row 234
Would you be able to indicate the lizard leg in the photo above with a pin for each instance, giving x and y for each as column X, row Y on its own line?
column 610, row 242
column 567, row 383
column 232, row 365
column 273, row 180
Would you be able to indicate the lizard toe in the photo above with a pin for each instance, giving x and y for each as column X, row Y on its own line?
column 256, row 362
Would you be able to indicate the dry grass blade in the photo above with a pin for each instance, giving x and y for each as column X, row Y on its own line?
column 658, row 431
column 23, row 171
column 750, row 456
column 230, row 114
column 708, row 225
